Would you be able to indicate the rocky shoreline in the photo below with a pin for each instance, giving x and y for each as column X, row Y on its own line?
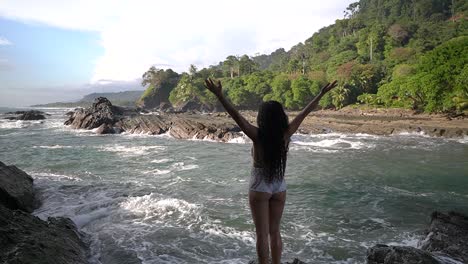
column 105, row 118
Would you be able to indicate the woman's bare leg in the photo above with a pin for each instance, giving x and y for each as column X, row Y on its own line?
column 259, row 206
column 277, row 201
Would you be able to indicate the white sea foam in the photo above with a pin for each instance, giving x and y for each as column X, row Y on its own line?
column 312, row 149
column 55, row 176
column 243, row 139
column 131, row 151
column 160, row 160
column 212, row 229
column 412, row 134
column 8, row 124
column 55, row 147
column 180, row 166
column 157, row 172
column 83, row 219
column 463, row 140
column 334, row 144
column 146, row 135
column 152, row 207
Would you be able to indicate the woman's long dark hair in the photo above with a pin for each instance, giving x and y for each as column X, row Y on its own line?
column 272, row 123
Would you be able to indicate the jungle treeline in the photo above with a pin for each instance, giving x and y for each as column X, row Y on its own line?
column 392, row 53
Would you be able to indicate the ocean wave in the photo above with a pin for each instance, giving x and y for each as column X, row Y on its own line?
column 177, row 166
column 408, row 240
column 146, row 135
column 180, row 166
column 213, row 229
column 243, row 139
column 335, row 144
column 10, row 124
column 55, row 176
column 131, row 151
column 157, row 172
column 55, row 147
column 161, row 160
column 312, row 149
column 394, row 190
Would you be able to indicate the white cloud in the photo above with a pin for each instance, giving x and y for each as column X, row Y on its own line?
column 4, row 41
column 177, row 33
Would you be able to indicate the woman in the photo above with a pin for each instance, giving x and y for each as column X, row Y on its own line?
column 267, row 192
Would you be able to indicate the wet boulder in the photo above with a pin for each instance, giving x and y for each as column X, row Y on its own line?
column 383, row 254
column 25, row 238
column 448, row 236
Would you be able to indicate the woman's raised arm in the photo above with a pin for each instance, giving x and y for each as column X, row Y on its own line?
column 250, row 130
column 294, row 125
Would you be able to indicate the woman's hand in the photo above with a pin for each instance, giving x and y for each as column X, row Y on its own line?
column 214, row 88
column 327, row 88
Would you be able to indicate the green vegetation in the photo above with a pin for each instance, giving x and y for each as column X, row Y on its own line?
column 393, row 53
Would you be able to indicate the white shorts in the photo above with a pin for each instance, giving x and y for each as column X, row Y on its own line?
column 258, row 183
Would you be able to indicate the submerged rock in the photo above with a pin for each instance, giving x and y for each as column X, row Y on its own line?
column 16, row 189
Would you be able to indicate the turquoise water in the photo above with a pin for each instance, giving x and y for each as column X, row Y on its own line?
column 162, row 200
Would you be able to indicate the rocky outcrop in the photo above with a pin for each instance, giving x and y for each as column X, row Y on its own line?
column 26, row 115
column 448, row 236
column 107, row 119
column 25, row 238
column 383, row 254
column 446, row 242
column 16, row 189
column 220, row 127
column 102, row 112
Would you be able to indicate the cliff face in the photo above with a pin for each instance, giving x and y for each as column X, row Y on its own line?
column 25, row 238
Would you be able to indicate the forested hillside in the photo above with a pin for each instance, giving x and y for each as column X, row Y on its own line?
column 392, row 53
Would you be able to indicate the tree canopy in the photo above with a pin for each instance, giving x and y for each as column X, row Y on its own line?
column 392, row 53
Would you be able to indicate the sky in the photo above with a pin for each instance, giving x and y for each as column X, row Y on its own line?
column 55, row 50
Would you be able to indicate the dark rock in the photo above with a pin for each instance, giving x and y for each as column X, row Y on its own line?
column 190, row 106
column 166, row 107
column 26, row 115
column 446, row 242
column 383, row 254
column 448, row 236
column 105, row 129
column 16, row 189
column 101, row 112
column 27, row 239
column 109, row 120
